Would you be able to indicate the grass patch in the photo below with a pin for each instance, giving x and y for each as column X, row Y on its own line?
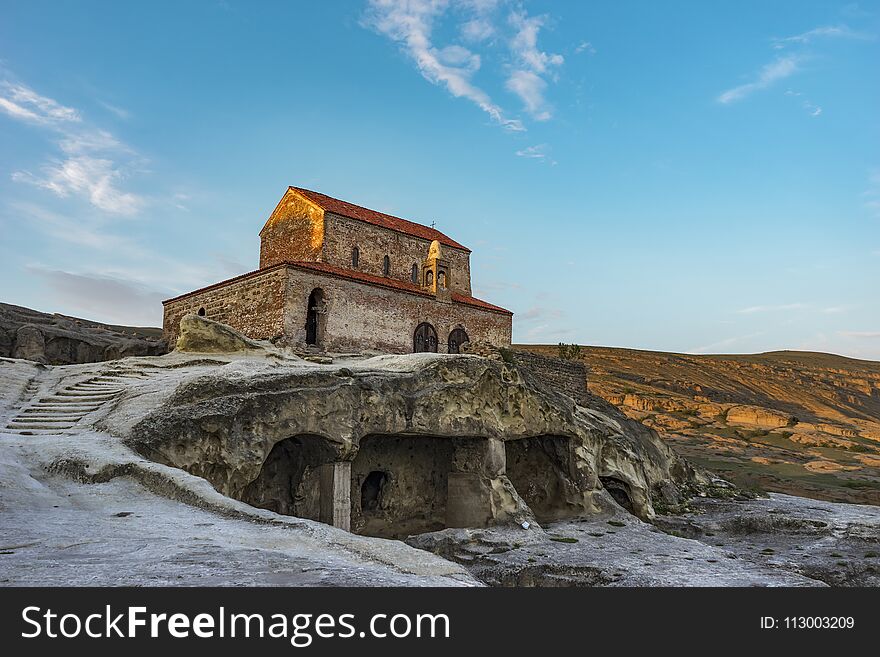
column 563, row 539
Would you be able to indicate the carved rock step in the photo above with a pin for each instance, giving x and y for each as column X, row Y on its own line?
column 66, row 425
column 86, row 395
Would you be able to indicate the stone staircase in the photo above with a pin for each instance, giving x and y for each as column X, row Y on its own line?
column 61, row 411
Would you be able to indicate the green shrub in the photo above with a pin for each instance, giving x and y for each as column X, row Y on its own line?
column 569, row 351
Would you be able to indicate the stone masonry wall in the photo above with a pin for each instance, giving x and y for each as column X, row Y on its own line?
column 252, row 304
column 294, row 231
column 365, row 317
column 568, row 377
column 342, row 234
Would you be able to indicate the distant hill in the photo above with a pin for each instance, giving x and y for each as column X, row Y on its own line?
column 61, row 340
column 788, row 421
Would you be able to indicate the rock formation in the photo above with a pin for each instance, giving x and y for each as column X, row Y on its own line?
column 201, row 335
column 61, row 340
column 408, row 444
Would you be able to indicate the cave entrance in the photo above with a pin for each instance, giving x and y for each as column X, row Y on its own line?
column 400, row 485
column 371, row 490
column 539, row 470
column 620, row 491
column 290, row 479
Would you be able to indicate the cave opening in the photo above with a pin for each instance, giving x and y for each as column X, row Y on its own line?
column 620, row 491
column 400, row 483
column 289, row 481
column 539, row 469
column 371, row 490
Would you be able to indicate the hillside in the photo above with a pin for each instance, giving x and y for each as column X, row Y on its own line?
column 794, row 422
column 61, row 340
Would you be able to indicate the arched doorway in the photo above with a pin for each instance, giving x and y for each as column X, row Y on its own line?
column 425, row 338
column 457, row 338
column 314, row 317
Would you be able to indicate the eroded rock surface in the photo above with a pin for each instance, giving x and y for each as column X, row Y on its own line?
column 427, row 441
column 202, row 335
column 77, row 506
column 60, row 340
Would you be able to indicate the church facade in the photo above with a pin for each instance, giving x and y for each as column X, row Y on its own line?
column 338, row 277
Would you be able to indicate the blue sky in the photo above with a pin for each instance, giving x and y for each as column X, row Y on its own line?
column 686, row 176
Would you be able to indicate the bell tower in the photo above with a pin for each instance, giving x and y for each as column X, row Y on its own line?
column 435, row 273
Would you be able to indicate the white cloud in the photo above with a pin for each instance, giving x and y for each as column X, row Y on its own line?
column 22, row 103
column 525, row 43
column 762, row 309
column 536, row 152
column 530, row 88
column 585, row 46
column 90, row 169
column 410, row 24
column 824, row 32
column 526, row 79
column 96, row 179
column 777, row 70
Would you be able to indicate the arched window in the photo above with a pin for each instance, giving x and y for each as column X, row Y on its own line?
column 415, row 273
column 201, row 312
column 429, row 278
column 457, row 338
column 441, row 278
column 425, row 338
column 355, row 257
column 386, row 266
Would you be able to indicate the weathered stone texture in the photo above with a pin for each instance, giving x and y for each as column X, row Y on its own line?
column 252, row 304
column 514, row 450
column 374, row 242
column 360, row 316
column 294, row 231
column 568, row 377
column 61, row 340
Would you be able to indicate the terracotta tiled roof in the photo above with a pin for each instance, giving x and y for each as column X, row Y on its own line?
column 393, row 283
column 397, row 224
column 352, row 275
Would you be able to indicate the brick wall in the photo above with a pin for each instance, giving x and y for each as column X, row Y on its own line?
column 360, row 316
column 566, row 376
column 252, row 304
column 341, row 234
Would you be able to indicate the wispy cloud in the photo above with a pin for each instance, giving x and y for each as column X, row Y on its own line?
column 479, row 25
column 537, row 152
column 411, row 24
column 96, row 179
column 22, row 103
column 779, row 308
column 770, row 74
column 540, row 312
column 585, row 46
column 118, row 112
column 106, row 298
column 823, row 32
column 715, row 347
column 89, row 165
column 533, row 65
column 870, row 335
